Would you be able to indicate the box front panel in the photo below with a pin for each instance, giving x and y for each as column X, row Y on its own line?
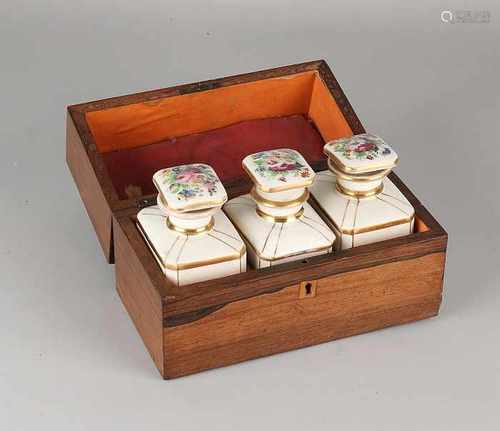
column 341, row 305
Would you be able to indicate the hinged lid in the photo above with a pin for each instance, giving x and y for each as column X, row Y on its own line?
column 278, row 170
column 359, row 154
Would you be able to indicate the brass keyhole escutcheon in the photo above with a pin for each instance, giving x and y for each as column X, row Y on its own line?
column 307, row 289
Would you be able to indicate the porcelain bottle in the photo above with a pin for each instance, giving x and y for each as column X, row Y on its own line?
column 362, row 204
column 187, row 232
column 275, row 220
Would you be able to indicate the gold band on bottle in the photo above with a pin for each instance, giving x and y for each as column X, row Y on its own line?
column 279, row 204
column 187, row 231
column 359, row 194
column 279, row 219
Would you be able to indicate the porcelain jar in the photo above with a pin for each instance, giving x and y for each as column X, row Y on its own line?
column 189, row 235
column 362, row 204
column 275, row 220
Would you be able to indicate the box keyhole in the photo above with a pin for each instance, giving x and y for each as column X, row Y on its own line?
column 307, row 289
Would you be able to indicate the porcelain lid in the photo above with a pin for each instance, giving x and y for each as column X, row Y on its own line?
column 278, row 170
column 190, row 187
column 361, row 154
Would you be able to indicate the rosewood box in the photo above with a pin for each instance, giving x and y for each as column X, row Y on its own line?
column 115, row 145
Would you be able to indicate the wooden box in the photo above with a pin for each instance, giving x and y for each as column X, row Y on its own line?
column 115, row 145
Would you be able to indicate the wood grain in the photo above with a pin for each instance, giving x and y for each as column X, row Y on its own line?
column 140, row 298
column 90, row 189
column 344, row 304
column 268, row 344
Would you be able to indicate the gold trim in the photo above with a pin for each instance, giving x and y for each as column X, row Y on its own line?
column 382, row 225
column 283, row 188
column 315, row 229
column 349, row 170
column 372, row 228
column 178, row 267
column 172, row 247
column 189, row 232
column 349, row 231
column 261, row 257
column 376, row 175
column 180, row 253
column 339, row 232
column 279, row 239
column 405, row 202
column 279, row 204
column 228, row 235
column 223, row 242
column 279, row 219
column 158, row 258
column 361, row 194
column 268, row 236
column 393, row 205
column 354, row 222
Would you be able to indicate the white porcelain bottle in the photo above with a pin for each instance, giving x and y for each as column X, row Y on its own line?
column 363, row 205
column 275, row 220
column 189, row 235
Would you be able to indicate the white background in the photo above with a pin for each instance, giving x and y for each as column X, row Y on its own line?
column 70, row 357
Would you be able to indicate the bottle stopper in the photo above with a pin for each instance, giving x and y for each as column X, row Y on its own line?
column 281, row 178
column 189, row 195
column 360, row 164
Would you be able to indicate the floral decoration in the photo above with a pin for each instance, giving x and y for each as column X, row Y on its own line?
column 362, row 147
column 280, row 165
column 186, row 182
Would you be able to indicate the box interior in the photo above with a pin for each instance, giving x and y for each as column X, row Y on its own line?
column 218, row 127
column 223, row 149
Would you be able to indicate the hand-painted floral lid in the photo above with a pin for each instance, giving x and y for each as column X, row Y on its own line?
column 278, row 170
column 361, row 154
column 190, row 187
